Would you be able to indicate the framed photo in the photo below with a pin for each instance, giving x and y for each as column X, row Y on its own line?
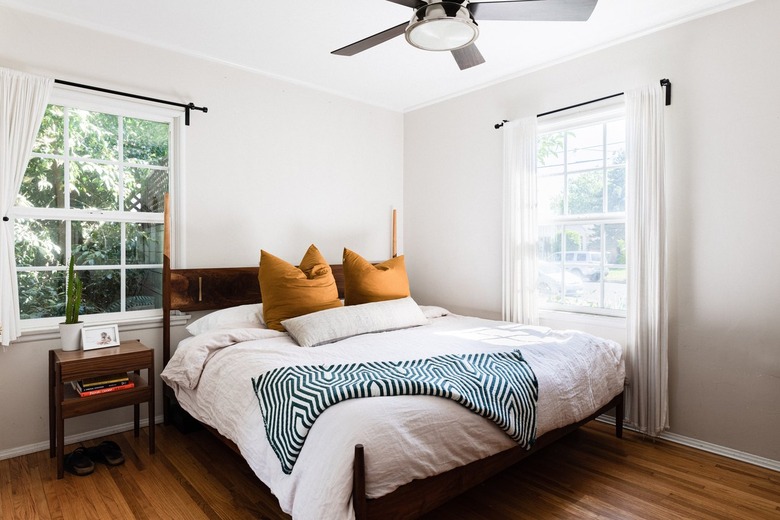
column 100, row 336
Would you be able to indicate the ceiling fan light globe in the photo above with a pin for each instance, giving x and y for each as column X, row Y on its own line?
column 432, row 29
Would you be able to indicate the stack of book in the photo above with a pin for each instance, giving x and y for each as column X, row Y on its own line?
column 103, row 384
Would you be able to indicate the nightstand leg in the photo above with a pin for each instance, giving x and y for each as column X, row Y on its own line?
column 137, row 414
column 59, row 421
column 52, row 411
column 150, row 407
column 619, row 417
column 151, row 424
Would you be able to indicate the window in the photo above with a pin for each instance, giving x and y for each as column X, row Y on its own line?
column 581, row 215
column 94, row 189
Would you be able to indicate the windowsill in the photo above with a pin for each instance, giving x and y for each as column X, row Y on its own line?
column 49, row 331
column 580, row 319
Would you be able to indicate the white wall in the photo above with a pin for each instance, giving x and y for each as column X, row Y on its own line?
column 723, row 184
column 272, row 165
column 304, row 166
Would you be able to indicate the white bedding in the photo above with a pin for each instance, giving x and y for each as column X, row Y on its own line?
column 405, row 437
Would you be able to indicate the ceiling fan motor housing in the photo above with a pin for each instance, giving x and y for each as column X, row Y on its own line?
column 442, row 26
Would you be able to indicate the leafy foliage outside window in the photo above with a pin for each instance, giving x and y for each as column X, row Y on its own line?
column 581, row 210
column 93, row 189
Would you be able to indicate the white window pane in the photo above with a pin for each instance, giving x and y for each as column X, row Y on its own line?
column 144, row 244
column 585, row 148
column 616, row 133
column 144, row 289
column 43, row 185
column 550, row 190
column 549, row 244
column 585, row 193
column 93, row 135
column 96, row 242
column 616, row 190
column 145, row 189
column 615, row 280
column 556, row 285
column 50, row 134
column 550, row 149
column 39, row 243
column 41, row 294
column 145, row 142
column 101, row 291
column 94, row 186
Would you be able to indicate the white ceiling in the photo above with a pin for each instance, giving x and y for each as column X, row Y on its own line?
column 292, row 40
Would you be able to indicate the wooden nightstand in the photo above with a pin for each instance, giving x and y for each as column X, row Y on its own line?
column 64, row 402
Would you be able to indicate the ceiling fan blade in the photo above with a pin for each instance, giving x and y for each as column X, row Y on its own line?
column 408, row 3
column 534, row 10
column 468, row 57
column 367, row 43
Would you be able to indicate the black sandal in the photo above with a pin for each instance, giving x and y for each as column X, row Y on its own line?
column 78, row 463
column 107, row 452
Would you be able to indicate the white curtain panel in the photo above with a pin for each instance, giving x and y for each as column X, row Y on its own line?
column 647, row 337
column 23, row 100
column 520, row 232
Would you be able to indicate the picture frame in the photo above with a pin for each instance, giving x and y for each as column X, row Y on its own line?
column 100, row 336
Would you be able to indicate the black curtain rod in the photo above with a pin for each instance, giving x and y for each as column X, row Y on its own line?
column 186, row 106
column 664, row 83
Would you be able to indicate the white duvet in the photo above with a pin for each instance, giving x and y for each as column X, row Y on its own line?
column 405, row 437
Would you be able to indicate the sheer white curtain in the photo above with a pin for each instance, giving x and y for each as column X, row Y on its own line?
column 647, row 406
column 520, row 232
column 23, row 100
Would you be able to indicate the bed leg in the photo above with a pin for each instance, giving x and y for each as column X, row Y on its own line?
column 166, row 410
column 619, row 413
column 359, row 484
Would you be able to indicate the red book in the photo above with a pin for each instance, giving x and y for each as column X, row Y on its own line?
column 119, row 388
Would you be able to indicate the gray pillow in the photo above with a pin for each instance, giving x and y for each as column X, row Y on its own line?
column 318, row 328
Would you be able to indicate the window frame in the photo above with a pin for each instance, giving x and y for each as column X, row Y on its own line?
column 599, row 113
column 99, row 102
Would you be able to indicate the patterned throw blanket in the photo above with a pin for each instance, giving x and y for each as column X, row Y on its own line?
column 498, row 386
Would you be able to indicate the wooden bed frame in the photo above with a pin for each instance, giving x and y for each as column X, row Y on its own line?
column 190, row 290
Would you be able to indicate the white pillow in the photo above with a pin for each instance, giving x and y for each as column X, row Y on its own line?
column 339, row 323
column 432, row 311
column 240, row 317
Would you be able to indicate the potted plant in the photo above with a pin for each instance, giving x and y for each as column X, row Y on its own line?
column 70, row 330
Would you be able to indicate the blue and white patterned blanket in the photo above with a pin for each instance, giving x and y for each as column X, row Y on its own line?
column 498, row 386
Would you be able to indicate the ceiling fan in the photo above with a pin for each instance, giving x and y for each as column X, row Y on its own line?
column 451, row 25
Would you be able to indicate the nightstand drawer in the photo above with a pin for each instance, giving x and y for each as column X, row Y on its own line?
column 126, row 357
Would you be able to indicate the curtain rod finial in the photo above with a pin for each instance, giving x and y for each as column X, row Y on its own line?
column 499, row 125
column 668, row 84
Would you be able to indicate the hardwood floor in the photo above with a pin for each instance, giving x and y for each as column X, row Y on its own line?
column 589, row 474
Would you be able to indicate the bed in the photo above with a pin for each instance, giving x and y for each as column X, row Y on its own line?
column 379, row 457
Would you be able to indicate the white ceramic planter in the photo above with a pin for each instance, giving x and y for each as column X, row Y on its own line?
column 70, row 335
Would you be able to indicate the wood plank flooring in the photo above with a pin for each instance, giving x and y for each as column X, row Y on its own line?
column 589, row 474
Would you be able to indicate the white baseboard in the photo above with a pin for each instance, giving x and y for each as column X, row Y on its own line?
column 671, row 437
column 709, row 447
column 71, row 439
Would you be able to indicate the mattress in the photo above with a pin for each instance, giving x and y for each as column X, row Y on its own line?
column 404, row 437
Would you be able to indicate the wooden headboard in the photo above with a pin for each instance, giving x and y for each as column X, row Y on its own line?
column 220, row 287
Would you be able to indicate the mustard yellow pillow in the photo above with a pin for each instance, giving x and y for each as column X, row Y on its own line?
column 367, row 283
column 290, row 291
